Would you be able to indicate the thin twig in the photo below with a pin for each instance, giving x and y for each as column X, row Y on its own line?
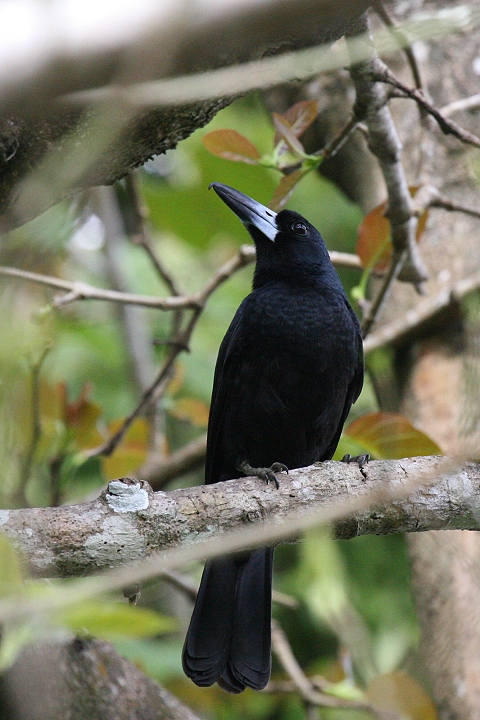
column 336, row 144
column 399, row 330
column 190, row 589
column 313, row 694
column 469, row 103
column 403, row 41
column 151, row 394
column 83, row 291
column 446, row 204
column 36, row 433
column 448, row 127
column 140, row 237
column 383, row 293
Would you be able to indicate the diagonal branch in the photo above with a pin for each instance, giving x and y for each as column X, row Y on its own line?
column 448, row 127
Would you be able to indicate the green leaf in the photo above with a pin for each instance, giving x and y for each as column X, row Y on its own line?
column 111, row 620
column 231, row 145
column 11, row 575
column 387, row 436
column 14, row 639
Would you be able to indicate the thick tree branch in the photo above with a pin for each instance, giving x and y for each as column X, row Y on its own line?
column 371, row 107
column 130, row 522
column 82, row 680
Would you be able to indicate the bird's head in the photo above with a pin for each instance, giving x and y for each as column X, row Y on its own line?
column 285, row 241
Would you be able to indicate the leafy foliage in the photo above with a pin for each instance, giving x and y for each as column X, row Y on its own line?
column 288, row 155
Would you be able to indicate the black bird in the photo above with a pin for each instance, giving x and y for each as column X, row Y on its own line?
column 288, row 370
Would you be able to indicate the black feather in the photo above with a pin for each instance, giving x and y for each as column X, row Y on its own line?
column 287, row 373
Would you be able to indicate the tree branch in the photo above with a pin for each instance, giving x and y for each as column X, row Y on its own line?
column 83, row 291
column 130, row 523
column 80, row 680
column 370, row 106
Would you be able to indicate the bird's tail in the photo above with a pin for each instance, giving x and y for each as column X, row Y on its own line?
column 229, row 637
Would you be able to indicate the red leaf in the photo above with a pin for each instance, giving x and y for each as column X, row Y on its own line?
column 299, row 117
column 374, row 244
column 285, row 189
column 231, row 145
column 284, row 131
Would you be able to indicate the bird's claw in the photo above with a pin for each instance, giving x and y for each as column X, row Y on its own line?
column 264, row 473
column 361, row 461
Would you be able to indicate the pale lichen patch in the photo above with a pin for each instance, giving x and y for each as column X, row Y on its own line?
column 4, row 516
column 123, row 497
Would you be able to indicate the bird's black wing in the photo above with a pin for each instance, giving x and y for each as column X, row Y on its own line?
column 227, row 362
column 353, row 391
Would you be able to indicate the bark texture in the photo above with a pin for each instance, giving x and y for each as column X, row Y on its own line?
column 83, row 680
column 33, row 124
column 129, row 522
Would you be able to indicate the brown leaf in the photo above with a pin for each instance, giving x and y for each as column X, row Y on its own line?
column 374, row 243
column 192, row 410
column 130, row 453
column 285, row 189
column 374, row 246
column 231, row 145
column 299, row 117
column 388, row 436
column 81, row 419
column 399, row 692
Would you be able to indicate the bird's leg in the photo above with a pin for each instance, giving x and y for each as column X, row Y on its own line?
column 361, row 461
column 264, row 473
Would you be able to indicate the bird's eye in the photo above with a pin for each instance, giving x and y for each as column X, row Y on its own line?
column 299, row 228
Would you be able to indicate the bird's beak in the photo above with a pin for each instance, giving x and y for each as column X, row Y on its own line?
column 249, row 211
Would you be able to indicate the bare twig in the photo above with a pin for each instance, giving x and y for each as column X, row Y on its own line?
column 151, row 394
column 83, row 291
column 399, row 330
column 184, row 583
column 313, row 694
column 336, row 144
column 36, row 430
column 139, row 235
column 446, row 204
column 449, row 127
column 403, row 41
column 469, row 103
column 383, row 293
